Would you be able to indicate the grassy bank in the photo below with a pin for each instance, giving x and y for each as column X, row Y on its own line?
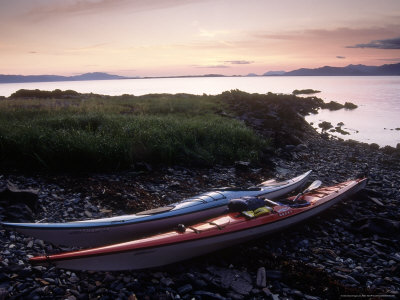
column 93, row 132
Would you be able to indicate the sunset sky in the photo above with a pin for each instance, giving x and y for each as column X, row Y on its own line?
column 192, row 37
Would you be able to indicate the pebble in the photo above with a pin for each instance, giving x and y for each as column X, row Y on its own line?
column 273, row 274
column 241, row 286
column 185, row 289
column 261, row 277
column 167, row 281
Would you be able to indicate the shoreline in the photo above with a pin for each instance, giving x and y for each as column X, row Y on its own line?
column 380, row 136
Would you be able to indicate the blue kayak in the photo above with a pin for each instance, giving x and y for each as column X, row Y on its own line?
column 105, row 231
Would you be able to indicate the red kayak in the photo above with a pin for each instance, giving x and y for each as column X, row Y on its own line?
column 213, row 234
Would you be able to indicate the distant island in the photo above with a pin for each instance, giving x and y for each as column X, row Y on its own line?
column 86, row 76
column 53, row 78
column 350, row 70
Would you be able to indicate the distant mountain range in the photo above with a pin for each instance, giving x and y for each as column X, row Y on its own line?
column 350, row 70
column 50, row 78
column 274, row 73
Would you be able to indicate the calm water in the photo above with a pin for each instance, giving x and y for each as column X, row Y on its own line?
column 378, row 98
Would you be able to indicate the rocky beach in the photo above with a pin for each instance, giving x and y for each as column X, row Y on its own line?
column 349, row 251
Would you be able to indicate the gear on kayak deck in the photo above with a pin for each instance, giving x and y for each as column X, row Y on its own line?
column 245, row 204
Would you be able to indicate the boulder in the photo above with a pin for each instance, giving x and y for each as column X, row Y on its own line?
column 18, row 205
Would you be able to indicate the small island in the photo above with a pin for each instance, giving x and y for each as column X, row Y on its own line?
column 305, row 92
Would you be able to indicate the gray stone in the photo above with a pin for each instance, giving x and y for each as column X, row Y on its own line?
column 167, row 281
column 241, row 286
column 273, row 274
column 275, row 297
column 301, row 147
column 290, row 148
column 267, row 292
column 73, row 278
column 209, row 295
column 261, row 278
column 185, row 289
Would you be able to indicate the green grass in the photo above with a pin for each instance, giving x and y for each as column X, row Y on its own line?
column 100, row 132
column 126, row 104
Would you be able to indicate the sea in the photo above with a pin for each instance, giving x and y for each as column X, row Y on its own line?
column 376, row 120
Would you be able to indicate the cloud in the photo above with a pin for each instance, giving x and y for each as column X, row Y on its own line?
column 338, row 34
column 88, row 48
column 54, row 9
column 340, row 57
column 32, row 52
column 275, row 36
column 380, row 44
column 390, row 59
column 211, row 66
column 211, row 33
column 238, row 62
column 224, row 66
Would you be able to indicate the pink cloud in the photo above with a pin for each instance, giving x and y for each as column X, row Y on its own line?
column 38, row 13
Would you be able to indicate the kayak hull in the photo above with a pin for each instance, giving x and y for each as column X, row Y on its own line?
column 105, row 231
column 221, row 232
